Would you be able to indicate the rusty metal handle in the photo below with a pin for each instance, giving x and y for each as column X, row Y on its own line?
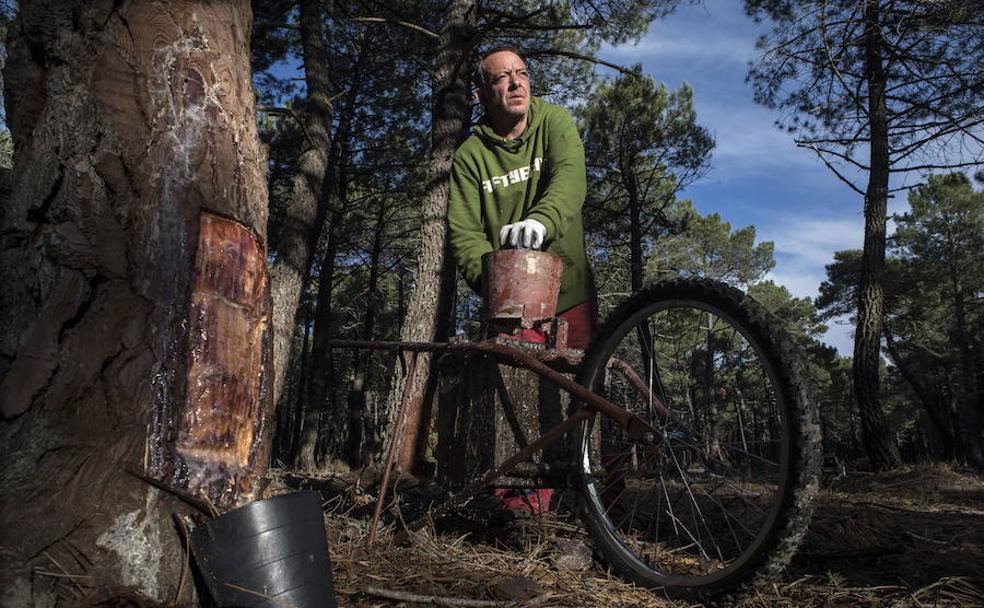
column 637, row 428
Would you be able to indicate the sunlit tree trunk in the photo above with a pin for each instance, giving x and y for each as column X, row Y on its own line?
column 432, row 297
column 305, row 211
column 135, row 315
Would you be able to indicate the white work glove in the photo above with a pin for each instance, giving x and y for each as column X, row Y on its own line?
column 528, row 234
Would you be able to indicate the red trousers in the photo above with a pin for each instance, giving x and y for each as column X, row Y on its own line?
column 581, row 321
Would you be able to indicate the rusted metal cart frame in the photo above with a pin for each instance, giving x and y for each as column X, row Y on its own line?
column 537, row 362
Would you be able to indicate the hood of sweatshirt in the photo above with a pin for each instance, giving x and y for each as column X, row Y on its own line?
column 487, row 134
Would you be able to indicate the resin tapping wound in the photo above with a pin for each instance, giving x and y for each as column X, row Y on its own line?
column 227, row 323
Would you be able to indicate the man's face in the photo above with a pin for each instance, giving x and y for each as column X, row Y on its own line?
column 506, row 91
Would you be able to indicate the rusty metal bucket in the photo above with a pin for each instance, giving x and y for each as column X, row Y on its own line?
column 521, row 285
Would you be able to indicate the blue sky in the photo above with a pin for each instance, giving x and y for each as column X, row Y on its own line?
column 758, row 175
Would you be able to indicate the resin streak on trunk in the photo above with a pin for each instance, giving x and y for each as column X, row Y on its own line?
column 229, row 317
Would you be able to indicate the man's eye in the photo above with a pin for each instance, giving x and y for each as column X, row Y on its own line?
column 524, row 74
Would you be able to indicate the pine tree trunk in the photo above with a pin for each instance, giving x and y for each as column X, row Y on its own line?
column 970, row 401
column 135, row 310
column 305, row 211
column 319, row 395
column 878, row 439
column 433, row 291
column 336, row 425
column 933, row 403
column 636, row 266
column 355, row 443
column 324, row 425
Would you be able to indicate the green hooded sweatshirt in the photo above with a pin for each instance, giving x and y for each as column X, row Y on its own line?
column 539, row 176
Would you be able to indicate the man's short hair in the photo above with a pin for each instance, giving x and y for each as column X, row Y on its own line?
column 479, row 75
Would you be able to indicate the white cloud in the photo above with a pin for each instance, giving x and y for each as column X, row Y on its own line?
column 801, row 285
column 748, row 141
column 664, row 41
column 811, row 242
column 711, row 50
column 724, row 34
column 804, row 245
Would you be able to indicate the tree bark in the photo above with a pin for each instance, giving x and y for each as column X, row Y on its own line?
column 306, row 211
column 970, row 399
column 291, row 409
column 360, row 375
column 933, row 403
column 878, row 439
column 635, row 230
column 320, row 408
column 636, row 262
column 431, row 300
column 319, row 394
column 135, row 310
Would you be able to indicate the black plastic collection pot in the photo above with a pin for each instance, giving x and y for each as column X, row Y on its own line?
column 269, row 553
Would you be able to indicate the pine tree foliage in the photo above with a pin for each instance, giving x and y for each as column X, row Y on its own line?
column 813, row 69
column 875, row 87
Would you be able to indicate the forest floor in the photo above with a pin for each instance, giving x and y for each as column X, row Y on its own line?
column 913, row 537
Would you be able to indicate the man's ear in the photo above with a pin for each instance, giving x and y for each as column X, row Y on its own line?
column 480, row 95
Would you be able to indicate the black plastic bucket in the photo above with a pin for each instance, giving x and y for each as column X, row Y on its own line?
column 269, row 553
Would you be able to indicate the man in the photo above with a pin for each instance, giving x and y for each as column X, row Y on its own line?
column 519, row 181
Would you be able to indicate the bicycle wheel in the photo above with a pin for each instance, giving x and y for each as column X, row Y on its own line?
column 724, row 496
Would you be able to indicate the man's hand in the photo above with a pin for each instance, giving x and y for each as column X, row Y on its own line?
column 528, row 234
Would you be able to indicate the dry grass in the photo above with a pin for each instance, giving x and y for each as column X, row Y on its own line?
column 911, row 538
column 454, row 567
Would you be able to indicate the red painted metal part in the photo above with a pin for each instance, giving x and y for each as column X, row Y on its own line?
column 641, row 387
column 390, row 454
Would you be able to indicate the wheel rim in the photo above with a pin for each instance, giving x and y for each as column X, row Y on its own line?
column 699, row 507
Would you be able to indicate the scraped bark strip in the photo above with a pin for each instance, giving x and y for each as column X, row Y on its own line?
column 453, row 602
column 228, row 318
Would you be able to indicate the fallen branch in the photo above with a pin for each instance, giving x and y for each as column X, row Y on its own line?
column 61, row 575
column 201, row 503
column 268, row 598
column 856, row 553
column 452, row 602
column 912, row 508
column 67, row 574
column 186, row 537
